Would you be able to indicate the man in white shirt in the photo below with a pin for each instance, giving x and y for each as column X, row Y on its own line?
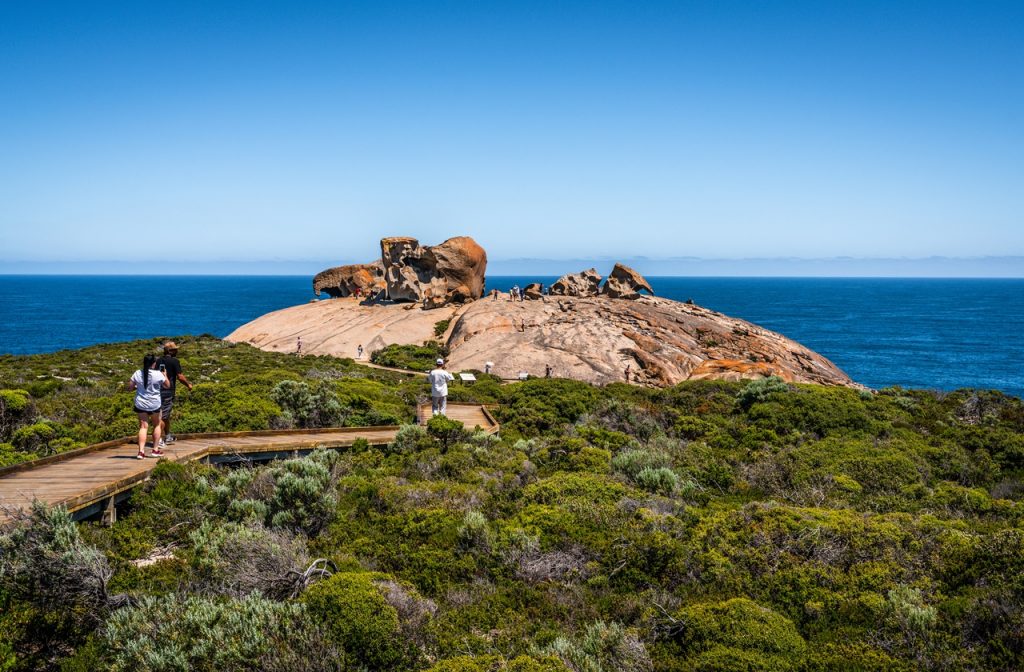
column 439, row 379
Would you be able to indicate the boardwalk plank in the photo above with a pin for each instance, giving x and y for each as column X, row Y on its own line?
column 88, row 476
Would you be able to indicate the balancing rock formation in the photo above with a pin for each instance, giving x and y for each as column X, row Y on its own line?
column 342, row 281
column 452, row 272
column 625, row 283
column 584, row 330
column 584, row 283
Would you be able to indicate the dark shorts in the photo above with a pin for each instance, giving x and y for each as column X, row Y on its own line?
column 148, row 412
column 166, row 405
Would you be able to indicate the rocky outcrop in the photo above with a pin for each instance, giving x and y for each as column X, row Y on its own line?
column 452, row 272
column 585, row 283
column 625, row 283
column 663, row 342
column 342, row 281
column 533, row 291
column 581, row 333
column 594, row 339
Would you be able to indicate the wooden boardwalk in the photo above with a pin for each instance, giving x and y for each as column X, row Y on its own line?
column 93, row 479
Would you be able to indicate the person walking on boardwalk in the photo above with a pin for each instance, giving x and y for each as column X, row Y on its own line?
column 171, row 367
column 148, row 383
column 439, row 379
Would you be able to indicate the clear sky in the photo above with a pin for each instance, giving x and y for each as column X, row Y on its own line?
column 260, row 131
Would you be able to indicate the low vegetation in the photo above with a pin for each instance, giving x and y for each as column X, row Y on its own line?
column 709, row 526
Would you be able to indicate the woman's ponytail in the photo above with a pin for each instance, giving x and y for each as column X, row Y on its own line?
column 147, row 364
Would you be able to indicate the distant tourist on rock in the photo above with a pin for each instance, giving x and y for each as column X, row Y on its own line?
column 627, row 373
column 488, row 366
column 298, row 345
column 439, row 379
column 171, row 368
column 359, row 351
column 547, row 370
column 147, row 383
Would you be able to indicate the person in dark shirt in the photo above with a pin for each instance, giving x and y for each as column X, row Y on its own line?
column 171, row 367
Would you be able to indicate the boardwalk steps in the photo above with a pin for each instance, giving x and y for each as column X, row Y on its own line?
column 94, row 479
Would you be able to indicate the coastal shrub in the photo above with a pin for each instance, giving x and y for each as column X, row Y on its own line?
column 306, row 406
column 15, row 410
column 494, row 663
column 34, row 438
column 10, row 455
column 172, row 633
column 760, row 390
column 639, row 421
column 632, row 461
column 359, row 620
column 408, row 439
column 603, row 647
column 411, row 357
column 446, row 430
column 538, row 405
column 304, row 496
column 241, row 559
column 737, row 634
column 474, row 534
column 661, row 480
column 440, row 327
column 54, row 586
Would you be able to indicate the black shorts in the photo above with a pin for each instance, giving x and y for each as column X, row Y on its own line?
column 143, row 410
column 166, row 404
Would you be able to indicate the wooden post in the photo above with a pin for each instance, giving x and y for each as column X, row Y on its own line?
column 110, row 512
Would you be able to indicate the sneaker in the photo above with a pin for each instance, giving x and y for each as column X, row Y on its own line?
column 141, row 456
column 157, row 453
column 170, row 439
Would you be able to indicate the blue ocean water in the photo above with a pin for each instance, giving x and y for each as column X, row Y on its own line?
column 922, row 333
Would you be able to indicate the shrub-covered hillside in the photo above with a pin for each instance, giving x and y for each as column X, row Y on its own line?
column 710, row 526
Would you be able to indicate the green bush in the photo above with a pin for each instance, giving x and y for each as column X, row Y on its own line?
column 175, row 633
column 661, row 480
column 446, row 430
column 358, row 619
column 760, row 390
column 738, row 634
column 15, row 410
column 632, row 461
column 305, row 406
column 412, row 357
column 604, row 647
column 34, row 438
column 408, row 439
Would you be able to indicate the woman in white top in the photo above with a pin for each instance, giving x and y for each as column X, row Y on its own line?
column 147, row 383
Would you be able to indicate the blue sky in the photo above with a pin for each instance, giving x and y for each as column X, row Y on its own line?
column 300, row 133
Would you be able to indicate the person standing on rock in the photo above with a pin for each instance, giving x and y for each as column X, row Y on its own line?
column 359, row 351
column 171, row 368
column 547, row 370
column 627, row 373
column 298, row 345
column 148, row 383
column 439, row 379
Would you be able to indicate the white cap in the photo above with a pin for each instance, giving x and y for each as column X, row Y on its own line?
column 440, row 361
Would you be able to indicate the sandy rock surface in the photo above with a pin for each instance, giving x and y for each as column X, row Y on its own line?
column 339, row 326
column 586, row 338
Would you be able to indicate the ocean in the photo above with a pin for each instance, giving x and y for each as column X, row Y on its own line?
column 921, row 333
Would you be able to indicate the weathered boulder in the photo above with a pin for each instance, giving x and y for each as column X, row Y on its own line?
column 533, row 291
column 342, row 281
column 463, row 263
column 585, row 283
column 450, row 272
column 625, row 283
